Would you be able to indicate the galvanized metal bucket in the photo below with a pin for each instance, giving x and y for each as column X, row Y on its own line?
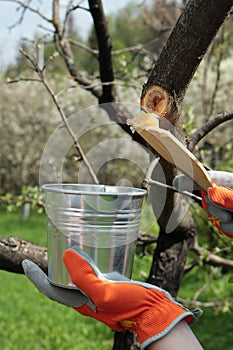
column 101, row 220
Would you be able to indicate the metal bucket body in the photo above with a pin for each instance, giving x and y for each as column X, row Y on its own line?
column 101, row 220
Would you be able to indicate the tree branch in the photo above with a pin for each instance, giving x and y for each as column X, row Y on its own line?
column 218, row 71
column 179, row 59
column 196, row 303
column 198, row 135
column 14, row 250
column 25, row 7
column 105, row 47
column 139, row 48
column 63, row 45
column 211, row 258
column 88, row 49
column 149, row 181
column 70, row 9
column 42, row 79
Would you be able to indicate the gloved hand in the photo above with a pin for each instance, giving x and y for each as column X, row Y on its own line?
column 67, row 297
column 123, row 304
column 217, row 201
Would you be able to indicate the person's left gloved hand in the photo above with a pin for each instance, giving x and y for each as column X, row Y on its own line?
column 68, row 297
column 122, row 304
column 217, row 201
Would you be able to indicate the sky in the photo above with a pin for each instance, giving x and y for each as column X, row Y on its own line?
column 10, row 37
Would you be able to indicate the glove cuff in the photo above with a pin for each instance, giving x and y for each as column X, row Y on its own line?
column 161, row 313
column 146, row 339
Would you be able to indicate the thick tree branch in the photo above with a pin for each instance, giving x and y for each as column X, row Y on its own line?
column 207, row 128
column 14, row 250
column 105, row 47
column 187, row 45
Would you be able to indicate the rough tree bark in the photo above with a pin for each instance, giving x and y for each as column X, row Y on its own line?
column 105, row 48
column 14, row 250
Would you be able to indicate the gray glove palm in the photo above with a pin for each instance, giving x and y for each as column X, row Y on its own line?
column 69, row 297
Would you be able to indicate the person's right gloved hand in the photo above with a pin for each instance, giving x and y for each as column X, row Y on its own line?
column 217, row 201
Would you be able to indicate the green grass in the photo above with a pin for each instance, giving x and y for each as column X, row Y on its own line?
column 214, row 328
column 33, row 229
column 28, row 320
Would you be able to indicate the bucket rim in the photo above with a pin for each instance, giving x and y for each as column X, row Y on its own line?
column 107, row 190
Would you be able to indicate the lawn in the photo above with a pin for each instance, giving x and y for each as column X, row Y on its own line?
column 28, row 320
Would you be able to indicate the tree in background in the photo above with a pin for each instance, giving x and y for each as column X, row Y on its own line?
column 172, row 67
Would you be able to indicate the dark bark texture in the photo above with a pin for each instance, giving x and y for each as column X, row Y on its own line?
column 105, row 48
column 14, row 250
column 188, row 43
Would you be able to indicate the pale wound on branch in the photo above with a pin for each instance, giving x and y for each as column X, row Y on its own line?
column 155, row 99
column 143, row 120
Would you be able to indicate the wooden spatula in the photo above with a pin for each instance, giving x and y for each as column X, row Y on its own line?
column 171, row 149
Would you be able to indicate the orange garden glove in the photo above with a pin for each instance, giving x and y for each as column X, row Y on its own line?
column 217, row 201
column 124, row 305
column 121, row 304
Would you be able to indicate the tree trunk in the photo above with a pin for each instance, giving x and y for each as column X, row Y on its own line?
column 173, row 71
column 187, row 44
column 125, row 340
column 170, row 256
